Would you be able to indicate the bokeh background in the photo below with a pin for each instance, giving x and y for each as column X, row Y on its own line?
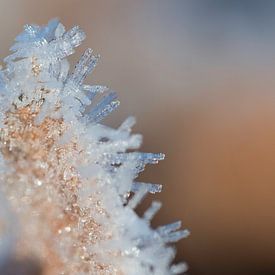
column 199, row 77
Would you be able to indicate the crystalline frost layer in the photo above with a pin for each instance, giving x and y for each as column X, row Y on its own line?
column 102, row 170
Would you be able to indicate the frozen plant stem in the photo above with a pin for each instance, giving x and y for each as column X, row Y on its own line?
column 66, row 178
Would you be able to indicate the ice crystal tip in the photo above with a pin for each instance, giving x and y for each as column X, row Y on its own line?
column 84, row 67
column 68, row 181
column 150, row 187
column 179, row 268
column 152, row 210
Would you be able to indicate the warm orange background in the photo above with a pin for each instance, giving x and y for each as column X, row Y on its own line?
column 199, row 77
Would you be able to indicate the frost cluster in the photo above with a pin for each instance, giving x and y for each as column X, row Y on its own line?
column 69, row 180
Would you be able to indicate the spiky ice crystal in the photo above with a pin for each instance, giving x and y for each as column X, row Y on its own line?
column 68, row 181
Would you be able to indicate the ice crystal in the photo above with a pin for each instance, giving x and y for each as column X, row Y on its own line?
column 68, row 182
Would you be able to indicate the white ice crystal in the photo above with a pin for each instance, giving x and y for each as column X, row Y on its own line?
column 98, row 166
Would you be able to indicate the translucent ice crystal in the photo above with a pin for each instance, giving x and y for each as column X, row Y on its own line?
column 69, row 180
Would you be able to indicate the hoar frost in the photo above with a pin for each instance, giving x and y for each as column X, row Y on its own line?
column 68, row 182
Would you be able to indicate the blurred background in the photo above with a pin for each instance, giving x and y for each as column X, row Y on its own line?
column 199, row 77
